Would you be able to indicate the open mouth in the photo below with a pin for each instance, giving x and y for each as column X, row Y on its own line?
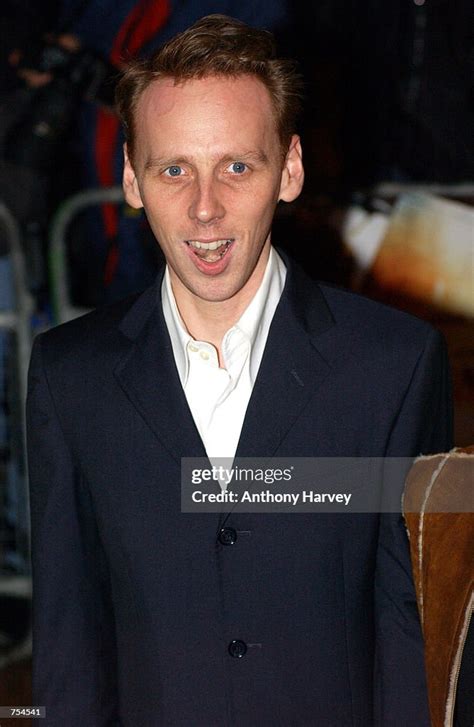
column 210, row 252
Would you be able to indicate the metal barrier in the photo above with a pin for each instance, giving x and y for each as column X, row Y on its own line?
column 63, row 308
column 15, row 329
column 15, row 347
column 19, row 319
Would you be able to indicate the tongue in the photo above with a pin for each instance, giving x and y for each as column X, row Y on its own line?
column 210, row 256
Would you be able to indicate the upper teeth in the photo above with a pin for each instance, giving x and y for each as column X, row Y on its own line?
column 207, row 245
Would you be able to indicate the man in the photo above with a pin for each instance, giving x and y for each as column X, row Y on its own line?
column 145, row 615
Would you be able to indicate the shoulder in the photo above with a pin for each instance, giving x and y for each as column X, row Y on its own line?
column 353, row 332
column 350, row 316
column 353, row 325
column 373, row 320
column 97, row 333
column 384, row 342
column 75, row 362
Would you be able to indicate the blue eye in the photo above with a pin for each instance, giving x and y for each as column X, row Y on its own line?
column 173, row 171
column 238, row 167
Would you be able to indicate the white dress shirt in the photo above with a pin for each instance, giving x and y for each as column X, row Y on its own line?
column 218, row 397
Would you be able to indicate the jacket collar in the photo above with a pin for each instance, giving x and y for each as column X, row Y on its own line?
column 290, row 372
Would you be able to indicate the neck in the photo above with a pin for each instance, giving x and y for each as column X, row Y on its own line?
column 209, row 321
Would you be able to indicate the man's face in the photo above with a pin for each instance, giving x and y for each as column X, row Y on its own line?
column 208, row 170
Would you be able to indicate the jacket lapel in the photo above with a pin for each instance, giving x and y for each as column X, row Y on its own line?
column 148, row 376
column 292, row 368
column 291, row 371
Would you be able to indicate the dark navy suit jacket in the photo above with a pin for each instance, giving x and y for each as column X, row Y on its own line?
column 136, row 603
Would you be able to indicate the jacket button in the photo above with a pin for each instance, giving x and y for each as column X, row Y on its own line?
column 227, row 536
column 237, row 648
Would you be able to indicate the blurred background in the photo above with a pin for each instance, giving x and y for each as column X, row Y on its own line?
column 387, row 208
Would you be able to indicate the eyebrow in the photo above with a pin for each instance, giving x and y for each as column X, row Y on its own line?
column 162, row 162
column 258, row 156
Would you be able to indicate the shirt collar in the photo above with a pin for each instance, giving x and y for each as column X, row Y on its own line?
column 254, row 322
column 256, row 319
column 179, row 336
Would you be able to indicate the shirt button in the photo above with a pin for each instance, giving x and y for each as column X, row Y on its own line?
column 192, row 348
column 227, row 536
column 204, row 355
column 237, row 648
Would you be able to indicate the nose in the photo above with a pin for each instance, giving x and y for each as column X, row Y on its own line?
column 206, row 206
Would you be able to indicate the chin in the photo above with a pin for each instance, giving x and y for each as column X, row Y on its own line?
column 219, row 296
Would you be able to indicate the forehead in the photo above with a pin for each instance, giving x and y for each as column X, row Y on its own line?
column 205, row 113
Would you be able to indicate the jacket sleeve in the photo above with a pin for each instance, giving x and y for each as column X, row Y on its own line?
column 423, row 426
column 74, row 662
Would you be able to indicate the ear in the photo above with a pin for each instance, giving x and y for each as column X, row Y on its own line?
column 292, row 176
column 130, row 184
